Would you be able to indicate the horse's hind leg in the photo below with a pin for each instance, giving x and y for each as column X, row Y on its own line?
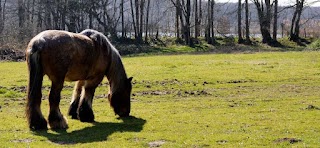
column 34, row 115
column 85, row 112
column 56, row 119
column 75, row 99
column 33, row 111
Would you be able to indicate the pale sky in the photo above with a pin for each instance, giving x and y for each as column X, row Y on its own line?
column 281, row 2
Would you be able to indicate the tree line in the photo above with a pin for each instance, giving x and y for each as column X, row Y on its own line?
column 143, row 20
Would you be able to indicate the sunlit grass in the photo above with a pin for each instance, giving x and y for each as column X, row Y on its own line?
column 228, row 100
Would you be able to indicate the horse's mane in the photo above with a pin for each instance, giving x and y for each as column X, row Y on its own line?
column 115, row 71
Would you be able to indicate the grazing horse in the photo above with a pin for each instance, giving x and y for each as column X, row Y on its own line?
column 84, row 57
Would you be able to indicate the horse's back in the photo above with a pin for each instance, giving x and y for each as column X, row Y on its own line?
column 64, row 54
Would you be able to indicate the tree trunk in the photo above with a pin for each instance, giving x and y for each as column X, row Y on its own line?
column 137, row 10
column 1, row 18
column 47, row 16
column 33, row 11
column 40, row 19
column 295, row 23
column 21, row 15
column 122, row 19
column 147, row 21
column 200, row 18
column 63, row 14
column 133, row 19
column 55, row 14
column 184, row 9
column 264, row 20
column 188, row 25
column 137, row 19
column 208, row 32
column 210, row 28
column 248, row 41
column 196, row 20
column 240, row 40
column 142, row 2
column 275, row 20
column 2, row 15
column 177, row 21
column 292, row 25
column 212, row 24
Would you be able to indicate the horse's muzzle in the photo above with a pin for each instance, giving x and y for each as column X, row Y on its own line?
column 123, row 112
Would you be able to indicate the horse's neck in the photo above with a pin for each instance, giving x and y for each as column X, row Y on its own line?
column 116, row 74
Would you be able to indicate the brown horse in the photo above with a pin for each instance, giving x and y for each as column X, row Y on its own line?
column 84, row 57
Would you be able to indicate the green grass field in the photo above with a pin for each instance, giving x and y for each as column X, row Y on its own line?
column 230, row 100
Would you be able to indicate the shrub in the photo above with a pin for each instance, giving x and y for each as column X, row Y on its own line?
column 314, row 45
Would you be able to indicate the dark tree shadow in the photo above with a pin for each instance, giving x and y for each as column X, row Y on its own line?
column 98, row 132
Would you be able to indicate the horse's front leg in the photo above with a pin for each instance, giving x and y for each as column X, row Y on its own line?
column 56, row 119
column 75, row 100
column 85, row 112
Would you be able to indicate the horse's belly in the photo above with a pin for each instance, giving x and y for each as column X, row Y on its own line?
column 71, row 79
column 75, row 75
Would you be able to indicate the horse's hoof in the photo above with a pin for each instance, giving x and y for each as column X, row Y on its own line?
column 40, row 124
column 62, row 124
column 73, row 110
column 85, row 113
column 57, row 121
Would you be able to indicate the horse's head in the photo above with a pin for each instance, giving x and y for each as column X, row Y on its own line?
column 120, row 100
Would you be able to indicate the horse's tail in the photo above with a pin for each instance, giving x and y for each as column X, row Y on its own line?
column 35, row 83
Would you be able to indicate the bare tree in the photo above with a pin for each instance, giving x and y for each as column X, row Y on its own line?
column 210, row 27
column 137, row 13
column 147, row 21
column 264, row 15
column 177, row 18
column 22, row 19
column 142, row 3
column 183, row 9
column 295, row 23
column 106, row 14
column 223, row 26
column 275, row 20
column 197, row 17
column 21, row 13
column 47, row 14
column 240, row 40
column 122, row 19
column 248, row 41
column 2, row 15
column 133, row 19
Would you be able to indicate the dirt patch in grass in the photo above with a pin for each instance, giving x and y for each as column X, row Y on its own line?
column 22, row 89
column 179, row 93
column 290, row 140
column 156, row 143
column 237, row 81
column 166, row 82
column 22, row 140
column 222, row 141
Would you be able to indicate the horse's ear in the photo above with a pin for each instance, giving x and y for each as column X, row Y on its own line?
column 130, row 79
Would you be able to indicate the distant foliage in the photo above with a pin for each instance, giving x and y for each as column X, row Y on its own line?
column 144, row 20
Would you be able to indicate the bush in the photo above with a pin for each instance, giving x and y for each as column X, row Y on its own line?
column 314, row 45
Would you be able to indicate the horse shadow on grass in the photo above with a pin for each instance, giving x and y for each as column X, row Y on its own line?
column 100, row 131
